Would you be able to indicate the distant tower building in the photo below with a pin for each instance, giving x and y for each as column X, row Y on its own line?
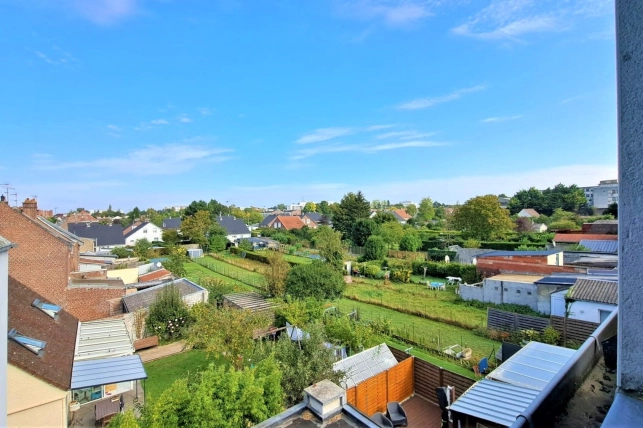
column 603, row 195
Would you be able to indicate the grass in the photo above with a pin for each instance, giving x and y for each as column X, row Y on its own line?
column 163, row 372
column 447, row 365
column 432, row 334
column 197, row 272
column 231, row 271
column 418, row 299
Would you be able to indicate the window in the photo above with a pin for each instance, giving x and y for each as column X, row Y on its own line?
column 48, row 308
column 506, row 289
column 517, row 291
column 529, row 293
column 495, row 288
column 34, row 345
column 144, row 230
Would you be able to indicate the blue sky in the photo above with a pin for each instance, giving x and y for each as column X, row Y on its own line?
column 159, row 102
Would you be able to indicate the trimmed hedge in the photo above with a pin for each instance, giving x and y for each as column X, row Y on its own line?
column 438, row 255
column 468, row 273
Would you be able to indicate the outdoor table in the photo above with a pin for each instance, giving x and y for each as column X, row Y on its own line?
column 107, row 407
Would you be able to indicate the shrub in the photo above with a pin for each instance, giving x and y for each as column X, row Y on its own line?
column 371, row 270
column 317, row 279
column 468, row 273
column 169, row 315
column 471, row 243
column 375, row 248
column 121, row 252
column 550, row 336
column 410, row 242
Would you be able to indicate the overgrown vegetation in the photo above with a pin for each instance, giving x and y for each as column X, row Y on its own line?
column 169, row 317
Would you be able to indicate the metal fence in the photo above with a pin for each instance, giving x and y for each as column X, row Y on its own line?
column 510, row 321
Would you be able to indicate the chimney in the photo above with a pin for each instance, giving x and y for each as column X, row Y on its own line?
column 30, row 207
column 3, row 200
column 325, row 399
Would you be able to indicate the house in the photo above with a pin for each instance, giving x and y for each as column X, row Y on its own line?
column 587, row 300
column 400, row 215
column 545, row 262
column 172, row 223
column 190, row 292
column 105, row 237
column 156, row 275
column 287, row 223
column 268, row 220
column 235, row 227
column 5, row 246
column 539, row 228
column 575, row 238
column 145, row 230
column 41, row 344
column 309, row 221
column 528, row 213
column 81, row 217
column 47, row 260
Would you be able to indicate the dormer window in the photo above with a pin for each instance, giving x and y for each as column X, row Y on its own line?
column 34, row 345
column 48, row 308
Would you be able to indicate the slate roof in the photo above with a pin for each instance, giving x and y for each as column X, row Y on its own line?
column 103, row 233
column 600, row 246
column 520, row 253
column 131, row 227
column 267, row 221
column 5, row 244
column 55, row 365
column 172, row 223
column 466, row 255
column 316, row 217
column 290, row 222
column 133, row 231
column 575, row 238
column 143, row 299
column 233, row 225
column 592, row 290
column 57, row 230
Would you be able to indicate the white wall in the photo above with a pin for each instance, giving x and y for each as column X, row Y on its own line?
column 150, row 231
column 4, row 313
column 588, row 311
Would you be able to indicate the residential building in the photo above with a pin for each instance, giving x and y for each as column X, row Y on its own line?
column 297, row 206
column 400, row 214
column 545, row 262
column 268, row 220
column 309, row 221
column 287, row 223
column 145, row 230
column 528, row 213
column 172, row 223
column 5, row 246
column 407, row 203
column 563, row 239
column 103, row 236
column 603, row 195
column 504, row 201
column 81, row 217
column 587, row 300
column 47, row 261
column 235, row 227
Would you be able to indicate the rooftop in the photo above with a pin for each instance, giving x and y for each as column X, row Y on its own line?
column 145, row 298
column 104, row 338
column 601, row 246
column 521, row 253
column 105, row 235
column 365, row 365
column 154, row 275
column 574, row 238
column 517, row 278
column 591, row 290
column 254, row 302
column 233, row 225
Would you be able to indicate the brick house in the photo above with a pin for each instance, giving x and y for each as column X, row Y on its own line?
column 47, row 258
column 287, row 223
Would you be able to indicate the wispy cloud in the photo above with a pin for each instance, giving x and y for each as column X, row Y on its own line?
column 113, row 134
column 113, row 127
column 159, row 122
column 500, row 119
column 323, row 134
column 168, row 159
column 404, row 135
column 391, row 12
column 421, row 103
column 574, row 98
column 184, row 119
column 513, row 19
column 205, row 111
column 379, row 127
column 57, row 56
column 104, row 12
column 363, row 148
column 402, row 145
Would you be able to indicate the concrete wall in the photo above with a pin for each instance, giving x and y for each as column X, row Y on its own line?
column 472, row 292
column 588, row 311
column 629, row 59
column 89, row 267
column 129, row 276
column 34, row 403
column 537, row 297
column 198, row 297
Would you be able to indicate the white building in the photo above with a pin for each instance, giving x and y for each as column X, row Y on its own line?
column 297, row 206
column 147, row 230
column 587, row 300
column 602, row 195
column 5, row 246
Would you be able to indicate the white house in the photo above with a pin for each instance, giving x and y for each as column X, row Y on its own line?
column 235, row 227
column 539, row 227
column 587, row 300
column 528, row 213
column 147, row 230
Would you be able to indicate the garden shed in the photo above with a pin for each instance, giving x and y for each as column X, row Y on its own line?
column 254, row 302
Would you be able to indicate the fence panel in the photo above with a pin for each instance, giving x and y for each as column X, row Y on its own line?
column 571, row 329
column 427, row 378
column 460, row 382
column 510, row 321
column 400, row 381
column 407, row 255
column 399, row 355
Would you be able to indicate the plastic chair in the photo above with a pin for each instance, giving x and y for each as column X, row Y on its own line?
column 381, row 420
column 396, row 414
column 483, row 365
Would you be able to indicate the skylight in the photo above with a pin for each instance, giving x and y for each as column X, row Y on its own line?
column 34, row 345
column 48, row 308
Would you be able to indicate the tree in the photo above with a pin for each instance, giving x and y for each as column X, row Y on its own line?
column 300, row 312
column 530, row 198
column 612, row 209
column 564, row 225
column 392, row 232
column 234, row 342
column 176, row 261
column 142, row 248
column 411, row 210
column 524, row 224
column 482, row 218
column 219, row 397
column 471, row 243
column 426, row 210
column 375, row 248
column 568, row 198
column 382, row 217
column 121, row 252
column 196, row 227
column 329, row 244
column 171, row 237
column 217, row 208
column 410, row 242
column 194, row 207
column 276, row 273
column 362, row 229
column 281, row 207
column 245, row 245
column 218, row 243
column 310, row 207
column 324, row 208
column 317, row 279
column 352, row 207
column 348, row 332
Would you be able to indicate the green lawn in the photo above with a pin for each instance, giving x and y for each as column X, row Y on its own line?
column 432, row 334
column 246, row 276
column 438, row 305
column 162, row 373
column 196, row 272
column 447, row 365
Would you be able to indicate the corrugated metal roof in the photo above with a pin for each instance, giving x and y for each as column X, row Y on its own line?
column 365, row 365
column 533, row 366
column 557, row 280
column 249, row 301
column 104, row 338
column 106, row 371
column 600, row 246
column 592, row 290
column 494, row 401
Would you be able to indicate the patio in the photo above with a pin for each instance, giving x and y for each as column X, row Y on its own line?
column 421, row 413
column 85, row 417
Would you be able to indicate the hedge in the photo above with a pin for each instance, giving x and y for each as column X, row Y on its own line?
column 503, row 246
column 438, row 255
column 468, row 273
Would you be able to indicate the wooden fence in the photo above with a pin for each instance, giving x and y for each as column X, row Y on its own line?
column 395, row 384
column 509, row 321
column 571, row 329
column 428, row 377
column 413, row 255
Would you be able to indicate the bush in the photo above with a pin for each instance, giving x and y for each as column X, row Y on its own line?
column 121, row 252
column 410, row 242
column 371, row 270
column 468, row 273
column 471, row 243
column 169, row 315
column 439, row 255
column 317, row 279
column 550, row 336
column 375, row 248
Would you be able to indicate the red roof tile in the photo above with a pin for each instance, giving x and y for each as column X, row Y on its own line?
column 157, row 274
column 290, row 222
column 402, row 213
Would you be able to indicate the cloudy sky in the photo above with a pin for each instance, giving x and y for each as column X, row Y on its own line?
column 158, row 102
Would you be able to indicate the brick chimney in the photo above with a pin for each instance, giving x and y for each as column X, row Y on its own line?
column 3, row 200
column 30, row 207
